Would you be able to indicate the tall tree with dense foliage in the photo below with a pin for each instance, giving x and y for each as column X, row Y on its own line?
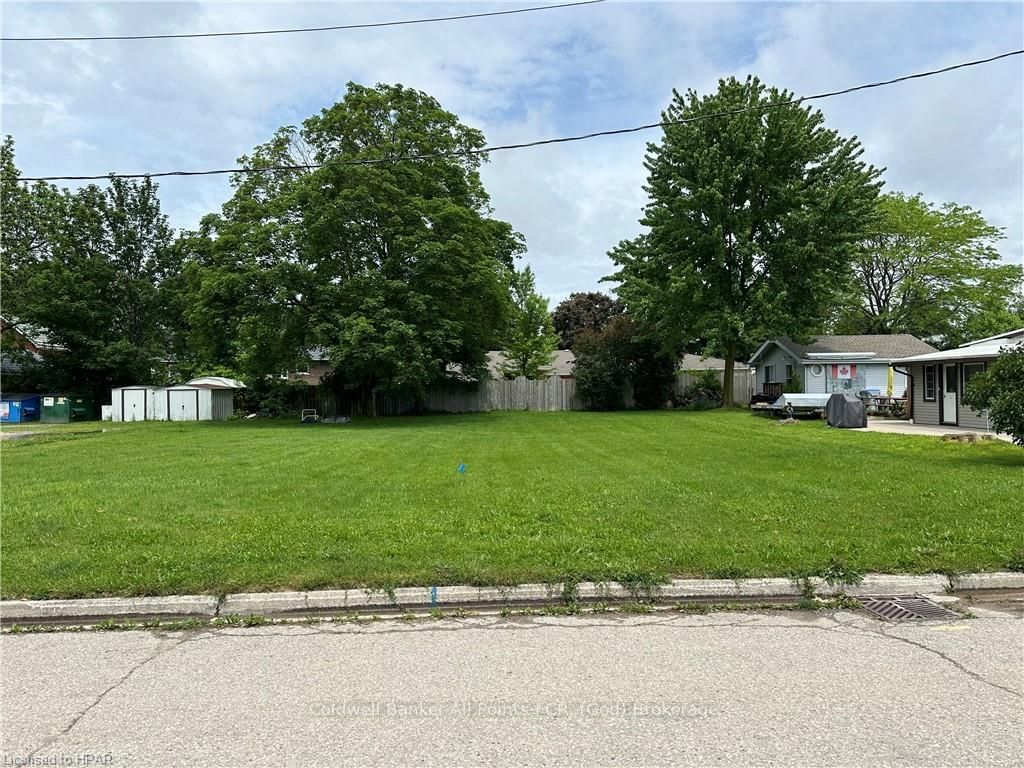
column 392, row 265
column 932, row 271
column 581, row 312
column 752, row 221
column 999, row 389
column 617, row 355
column 88, row 268
column 531, row 339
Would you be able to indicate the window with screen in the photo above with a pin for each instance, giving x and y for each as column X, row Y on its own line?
column 769, row 374
column 929, row 382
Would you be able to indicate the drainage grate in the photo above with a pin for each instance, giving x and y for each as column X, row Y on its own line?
column 906, row 608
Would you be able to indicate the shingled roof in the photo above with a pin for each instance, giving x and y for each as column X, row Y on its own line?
column 890, row 346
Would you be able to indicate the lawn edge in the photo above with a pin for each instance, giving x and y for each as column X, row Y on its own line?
column 355, row 601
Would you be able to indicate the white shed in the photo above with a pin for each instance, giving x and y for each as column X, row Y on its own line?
column 135, row 403
column 209, row 398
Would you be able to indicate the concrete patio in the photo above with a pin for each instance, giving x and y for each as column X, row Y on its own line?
column 900, row 427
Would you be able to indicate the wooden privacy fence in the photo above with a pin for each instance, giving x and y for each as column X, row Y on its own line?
column 742, row 383
column 519, row 394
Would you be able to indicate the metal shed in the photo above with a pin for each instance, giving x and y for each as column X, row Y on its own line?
column 19, row 408
column 136, row 403
column 64, row 408
column 209, row 398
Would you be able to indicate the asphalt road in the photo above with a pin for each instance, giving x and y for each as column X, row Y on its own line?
column 728, row 689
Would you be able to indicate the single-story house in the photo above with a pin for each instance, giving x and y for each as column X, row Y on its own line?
column 836, row 364
column 939, row 379
column 562, row 365
column 690, row 362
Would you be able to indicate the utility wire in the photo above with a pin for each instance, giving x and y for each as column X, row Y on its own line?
column 368, row 25
column 539, row 142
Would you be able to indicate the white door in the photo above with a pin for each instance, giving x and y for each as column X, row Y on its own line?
column 181, row 405
column 949, row 387
column 133, row 406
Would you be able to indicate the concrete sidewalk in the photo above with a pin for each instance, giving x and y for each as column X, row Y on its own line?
column 779, row 688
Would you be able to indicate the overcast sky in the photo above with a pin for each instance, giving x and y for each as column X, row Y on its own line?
column 85, row 108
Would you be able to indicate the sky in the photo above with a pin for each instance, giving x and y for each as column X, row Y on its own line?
column 129, row 106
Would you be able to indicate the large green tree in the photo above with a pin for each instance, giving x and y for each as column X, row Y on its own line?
column 753, row 219
column 932, row 271
column 531, row 339
column 87, row 268
column 394, row 266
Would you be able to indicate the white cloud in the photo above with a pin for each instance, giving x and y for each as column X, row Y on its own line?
column 95, row 107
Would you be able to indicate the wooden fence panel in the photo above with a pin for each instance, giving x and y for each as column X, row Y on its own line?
column 519, row 394
column 742, row 383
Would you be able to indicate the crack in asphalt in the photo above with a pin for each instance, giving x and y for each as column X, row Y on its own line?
column 160, row 651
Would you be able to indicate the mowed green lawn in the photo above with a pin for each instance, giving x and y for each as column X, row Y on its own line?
column 164, row 508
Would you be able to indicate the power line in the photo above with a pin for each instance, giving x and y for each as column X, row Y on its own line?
column 368, row 25
column 539, row 142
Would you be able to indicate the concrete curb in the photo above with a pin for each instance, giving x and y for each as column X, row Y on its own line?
column 342, row 601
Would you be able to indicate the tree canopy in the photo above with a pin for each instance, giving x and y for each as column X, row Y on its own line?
column 581, row 312
column 531, row 336
column 393, row 266
column 752, row 221
column 89, row 269
column 932, row 271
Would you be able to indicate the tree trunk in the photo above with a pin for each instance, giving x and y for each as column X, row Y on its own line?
column 728, row 374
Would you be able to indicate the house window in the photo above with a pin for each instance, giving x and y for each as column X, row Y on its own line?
column 929, row 382
column 789, row 373
column 769, row 374
column 971, row 370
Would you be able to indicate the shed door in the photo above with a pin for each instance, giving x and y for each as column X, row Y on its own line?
column 182, row 405
column 133, row 405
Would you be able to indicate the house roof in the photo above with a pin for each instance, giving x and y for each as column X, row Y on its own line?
column 215, row 382
column 698, row 363
column 562, row 364
column 988, row 347
column 884, row 347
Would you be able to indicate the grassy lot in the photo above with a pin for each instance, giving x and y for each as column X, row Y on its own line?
column 164, row 508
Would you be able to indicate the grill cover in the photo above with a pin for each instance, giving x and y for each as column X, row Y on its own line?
column 846, row 412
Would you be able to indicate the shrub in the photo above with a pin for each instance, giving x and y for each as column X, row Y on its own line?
column 602, row 366
column 1000, row 390
column 704, row 393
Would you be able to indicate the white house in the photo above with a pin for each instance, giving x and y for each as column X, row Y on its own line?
column 939, row 379
column 836, row 364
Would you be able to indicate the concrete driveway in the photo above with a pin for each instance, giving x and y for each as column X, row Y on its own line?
column 732, row 689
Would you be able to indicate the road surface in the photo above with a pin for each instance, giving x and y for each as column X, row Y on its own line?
column 773, row 688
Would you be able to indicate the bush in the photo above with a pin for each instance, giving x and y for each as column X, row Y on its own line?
column 703, row 394
column 1000, row 390
column 270, row 397
column 602, row 367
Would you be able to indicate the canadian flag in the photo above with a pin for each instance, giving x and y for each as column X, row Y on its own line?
column 844, row 371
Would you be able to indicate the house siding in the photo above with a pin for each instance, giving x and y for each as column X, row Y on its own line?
column 967, row 416
column 924, row 412
column 816, row 385
column 778, row 357
column 927, row 412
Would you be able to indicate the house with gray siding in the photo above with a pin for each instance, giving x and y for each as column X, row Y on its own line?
column 939, row 379
column 836, row 364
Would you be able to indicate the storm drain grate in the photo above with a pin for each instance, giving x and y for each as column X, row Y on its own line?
column 907, row 608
